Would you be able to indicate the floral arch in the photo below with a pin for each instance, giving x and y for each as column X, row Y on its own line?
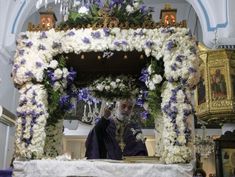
column 35, row 52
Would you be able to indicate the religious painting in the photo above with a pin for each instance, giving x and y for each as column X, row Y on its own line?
column 218, row 83
column 201, row 88
column 228, row 162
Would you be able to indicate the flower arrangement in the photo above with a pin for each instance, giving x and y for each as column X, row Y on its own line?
column 124, row 11
column 36, row 81
column 112, row 88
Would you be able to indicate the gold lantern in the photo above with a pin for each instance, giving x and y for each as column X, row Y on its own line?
column 47, row 19
column 168, row 15
column 215, row 93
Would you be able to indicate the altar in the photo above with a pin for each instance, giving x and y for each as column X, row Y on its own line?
column 107, row 168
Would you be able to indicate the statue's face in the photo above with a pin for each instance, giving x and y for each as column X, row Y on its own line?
column 125, row 108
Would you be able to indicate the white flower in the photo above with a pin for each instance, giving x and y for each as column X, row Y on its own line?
column 100, row 87
column 136, row 5
column 157, row 79
column 56, row 86
column 113, row 84
column 107, row 87
column 83, row 10
column 53, row 64
column 65, row 72
column 58, row 73
column 129, row 9
column 152, row 86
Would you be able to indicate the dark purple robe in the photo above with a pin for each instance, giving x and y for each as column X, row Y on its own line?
column 102, row 144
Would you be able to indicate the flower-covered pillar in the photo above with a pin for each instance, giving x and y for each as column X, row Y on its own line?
column 181, row 71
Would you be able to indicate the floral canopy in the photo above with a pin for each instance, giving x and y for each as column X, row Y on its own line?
column 40, row 77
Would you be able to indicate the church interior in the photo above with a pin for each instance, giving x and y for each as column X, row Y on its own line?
column 67, row 65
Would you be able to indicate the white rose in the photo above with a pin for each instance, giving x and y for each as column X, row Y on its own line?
column 58, row 73
column 65, row 72
column 136, row 5
column 151, row 86
column 53, row 64
column 113, row 84
column 100, row 87
column 56, row 86
column 129, row 9
column 83, row 10
column 107, row 87
column 157, row 78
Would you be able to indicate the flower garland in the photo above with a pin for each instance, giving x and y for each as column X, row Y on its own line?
column 114, row 88
column 175, row 46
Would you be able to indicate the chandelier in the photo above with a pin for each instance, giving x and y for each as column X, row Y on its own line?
column 204, row 144
column 80, row 6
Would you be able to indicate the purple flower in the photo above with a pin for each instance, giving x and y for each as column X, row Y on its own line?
column 63, row 100
column 144, row 115
column 115, row 2
column 43, row 35
column 149, row 43
column 41, row 47
column 170, row 79
column 144, row 75
column 71, row 76
column 29, row 74
column 116, row 43
column 179, row 58
column 141, row 33
column 106, row 32
column 86, row 40
column 71, row 33
column 29, row 44
column 23, row 61
column 56, row 45
column 15, row 67
column 187, row 112
column 192, row 70
column 143, row 10
column 174, row 67
column 83, row 94
column 140, row 102
column 21, row 52
column 38, row 64
column 124, row 43
column 171, row 44
column 99, row 3
column 95, row 35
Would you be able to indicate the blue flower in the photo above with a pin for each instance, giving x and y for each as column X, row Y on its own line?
column 171, row 44
column 179, row 58
column 149, row 43
column 95, row 35
column 86, row 40
column 144, row 115
column 23, row 61
column 29, row 74
column 106, row 32
column 43, row 35
column 28, row 44
column 192, row 70
column 71, row 33
column 21, row 52
column 144, row 75
column 38, row 64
